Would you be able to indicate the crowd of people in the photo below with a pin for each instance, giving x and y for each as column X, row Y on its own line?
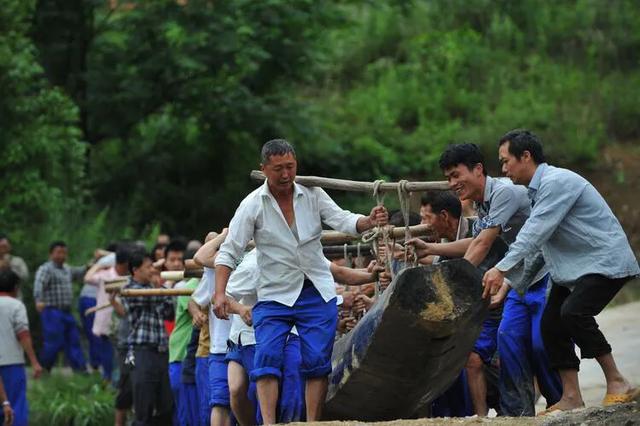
column 252, row 344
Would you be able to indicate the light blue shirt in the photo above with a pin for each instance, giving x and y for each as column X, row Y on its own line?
column 506, row 205
column 575, row 228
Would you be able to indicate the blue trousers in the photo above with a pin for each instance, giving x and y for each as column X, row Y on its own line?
column 100, row 347
column 202, row 385
column 316, row 322
column 175, row 374
column 60, row 333
column 185, row 397
column 522, row 353
column 15, row 384
column 291, row 403
column 455, row 401
column 245, row 355
column 291, row 406
column 218, row 384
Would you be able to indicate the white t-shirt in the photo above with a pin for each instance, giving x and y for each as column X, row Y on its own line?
column 13, row 320
column 218, row 329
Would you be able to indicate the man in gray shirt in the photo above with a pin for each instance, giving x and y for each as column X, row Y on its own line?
column 588, row 256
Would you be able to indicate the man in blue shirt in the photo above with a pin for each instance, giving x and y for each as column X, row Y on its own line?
column 588, row 256
column 502, row 210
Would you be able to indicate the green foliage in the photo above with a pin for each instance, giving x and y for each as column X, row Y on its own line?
column 76, row 400
column 175, row 100
column 42, row 161
column 404, row 82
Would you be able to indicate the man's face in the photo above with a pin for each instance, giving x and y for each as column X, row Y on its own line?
column 512, row 167
column 174, row 261
column 280, row 171
column 437, row 221
column 58, row 255
column 467, row 184
column 144, row 272
column 5, row 247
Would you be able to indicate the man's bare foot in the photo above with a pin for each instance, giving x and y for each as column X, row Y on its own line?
column 619, row 386
column 565, row 404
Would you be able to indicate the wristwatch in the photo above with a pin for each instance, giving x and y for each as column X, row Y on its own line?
column 5, row 403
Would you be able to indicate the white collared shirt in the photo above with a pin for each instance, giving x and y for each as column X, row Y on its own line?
column 283, row 260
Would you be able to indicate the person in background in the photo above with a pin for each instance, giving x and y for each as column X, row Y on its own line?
column 102, row 271
column 8, row 260
column 53, row 294
column 100, row 354
column 15, row 340
column 148, row 345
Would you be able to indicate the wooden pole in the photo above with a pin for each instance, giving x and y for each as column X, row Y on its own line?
column 357, row 186
column 335, row 238
column 181, row 275
column 115, row 286
column 97, row 308
column 142, row 292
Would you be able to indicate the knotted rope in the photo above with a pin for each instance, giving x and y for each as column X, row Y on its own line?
column 405, row 208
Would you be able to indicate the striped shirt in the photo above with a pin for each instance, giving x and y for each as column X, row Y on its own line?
column 53, row 284
column 146, row 315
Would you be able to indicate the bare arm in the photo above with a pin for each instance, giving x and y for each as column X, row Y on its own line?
column 453, row 249
column 198, row 317
column 481, row 245
column 348, row 276
column 220, row 302
column 239, row 309
column 117, row 306
column 205, row 256
column 24, row 338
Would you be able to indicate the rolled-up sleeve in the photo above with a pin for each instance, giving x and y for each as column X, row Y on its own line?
column 20, row 321
column 552, row 204
column 240, row 233
column 334, row 216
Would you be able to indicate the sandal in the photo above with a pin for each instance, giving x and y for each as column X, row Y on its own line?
column 621, row 398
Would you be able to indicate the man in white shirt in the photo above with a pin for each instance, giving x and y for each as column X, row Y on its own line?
column 295, row 286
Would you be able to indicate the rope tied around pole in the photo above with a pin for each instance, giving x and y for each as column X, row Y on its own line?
column 405, row 208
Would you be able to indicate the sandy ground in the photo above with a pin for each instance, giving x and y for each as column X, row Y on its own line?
column 621, row 326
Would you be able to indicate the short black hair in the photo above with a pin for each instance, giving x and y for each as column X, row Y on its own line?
column 55, row 244
column 175, row 245
column 136, row 259
column 521, row 140
column 468, row 154
column 4, row 236
column 8, row 280
column 123, row 254
column 443, row 200
column 158, row 246
column 276, row 147
column 397, row 219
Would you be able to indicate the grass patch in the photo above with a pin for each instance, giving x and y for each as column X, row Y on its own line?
column 70, row 399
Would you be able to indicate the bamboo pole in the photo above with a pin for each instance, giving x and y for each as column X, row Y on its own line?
column 95, row 309
column 142, row 292
column 357, row 186
column 181, row 275
column 115, row 286
column 334, row 237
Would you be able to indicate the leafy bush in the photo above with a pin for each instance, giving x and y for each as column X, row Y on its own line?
column 76, row 400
